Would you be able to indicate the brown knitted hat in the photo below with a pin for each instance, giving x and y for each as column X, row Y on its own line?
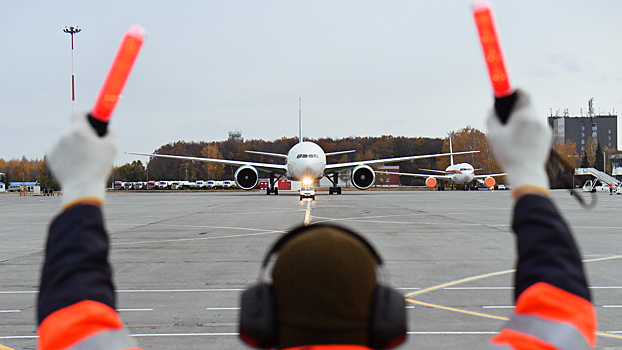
column 323, row 284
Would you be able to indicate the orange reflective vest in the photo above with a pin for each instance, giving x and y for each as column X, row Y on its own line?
column 330, row 347
column 85, row 325
column 548, row 318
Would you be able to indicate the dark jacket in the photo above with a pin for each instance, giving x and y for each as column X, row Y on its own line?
column 553, row 303
column 76, row 305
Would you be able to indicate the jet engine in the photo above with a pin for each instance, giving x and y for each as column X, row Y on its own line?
column 490, row 182
column 246, row 177
column 363, row 177
column 430, row 182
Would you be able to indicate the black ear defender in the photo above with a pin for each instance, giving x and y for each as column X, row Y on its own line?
column 258, row 325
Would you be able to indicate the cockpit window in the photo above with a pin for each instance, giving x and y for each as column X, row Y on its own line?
column 304, row 156
column 298, row 156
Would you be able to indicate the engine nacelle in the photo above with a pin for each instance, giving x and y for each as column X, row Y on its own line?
column 246, row 177
column 490, row 182
column 430, row 182
column 363, row 177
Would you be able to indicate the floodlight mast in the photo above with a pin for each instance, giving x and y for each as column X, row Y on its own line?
column 72, row 31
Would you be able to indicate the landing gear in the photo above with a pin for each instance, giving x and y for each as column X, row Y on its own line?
column 271, row 188
column 335, row 180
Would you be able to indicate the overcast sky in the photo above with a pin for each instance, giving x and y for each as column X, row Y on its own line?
column 362, row 68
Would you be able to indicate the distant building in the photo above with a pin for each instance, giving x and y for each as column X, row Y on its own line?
column 599, row 128
column 386, row 179
column 236, row 136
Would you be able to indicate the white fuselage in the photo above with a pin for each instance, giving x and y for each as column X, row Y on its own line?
column 306, row 161
column 460, row 173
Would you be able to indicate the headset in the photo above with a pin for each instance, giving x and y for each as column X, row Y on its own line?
column 258, row 325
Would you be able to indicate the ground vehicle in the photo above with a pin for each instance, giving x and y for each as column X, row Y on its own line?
column 307, row 192
column 595, row 185
column 501, row 187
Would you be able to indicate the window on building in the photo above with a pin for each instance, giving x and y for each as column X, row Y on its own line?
column 609, row 138
column 582, row 133
column 582, row 149
column 610, row 131
column 594, row 134
column 583, row 143
column 609, row 144
column 594, row 127
column 582, row 127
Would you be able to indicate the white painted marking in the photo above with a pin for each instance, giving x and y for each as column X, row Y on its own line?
column 145, row 290
column 497, row 307
column 451, row 333
column 179, row 290
column 223, row 308
column 612, row 305
column 197, row 238
column 410, row 307
column 408, row 288
column 20, row 337
column 134, row 309
column 477, row 288
column 9, row 311
column 183, row 334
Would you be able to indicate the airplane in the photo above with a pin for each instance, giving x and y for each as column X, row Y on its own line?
column 306, row 162
column 461, row 173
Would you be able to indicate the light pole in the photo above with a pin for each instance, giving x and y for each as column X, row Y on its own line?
column 72, row 31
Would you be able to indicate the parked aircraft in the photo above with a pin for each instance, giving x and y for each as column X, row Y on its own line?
column 306, row 162
column 461, row 173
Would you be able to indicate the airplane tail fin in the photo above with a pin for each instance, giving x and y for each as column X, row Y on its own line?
column 299, row 121
column 451, row 152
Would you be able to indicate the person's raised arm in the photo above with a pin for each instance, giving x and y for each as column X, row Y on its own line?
column 553, row 304
column 76, row 302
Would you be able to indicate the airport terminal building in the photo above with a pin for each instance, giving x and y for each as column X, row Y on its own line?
column 603, row 128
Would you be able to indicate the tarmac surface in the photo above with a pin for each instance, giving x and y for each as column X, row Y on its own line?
column 181, row 260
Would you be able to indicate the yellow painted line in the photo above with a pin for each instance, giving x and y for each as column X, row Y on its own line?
column 609, row 335
column 601, row 334
column 473, row 278
column 468, row 279
column 457, row 310
column 4, row 347
column 308, row 214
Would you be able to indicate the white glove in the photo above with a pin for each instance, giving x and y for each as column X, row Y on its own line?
column 81, row 161
column 522, row 146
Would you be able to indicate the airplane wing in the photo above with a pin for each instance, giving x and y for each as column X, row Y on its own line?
column 340, row 152
column 435, row 171
column 267, row 167
column 488, row 175
column 441, row 177
column 331, row 168
column 268, row 154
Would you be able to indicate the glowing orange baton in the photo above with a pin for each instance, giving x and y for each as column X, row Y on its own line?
column 114, row 83
column 504, row 95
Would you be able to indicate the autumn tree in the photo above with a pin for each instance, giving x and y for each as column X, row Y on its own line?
column 599, row 162
column 561, row 173
column 132, row 172
column 46, row 179
column 213, row 171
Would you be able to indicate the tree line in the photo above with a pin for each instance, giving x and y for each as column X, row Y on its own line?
column 366, row 148
column 16, row 170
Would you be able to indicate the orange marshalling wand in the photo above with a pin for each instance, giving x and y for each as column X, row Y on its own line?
column 482, row 14
column 114, row 83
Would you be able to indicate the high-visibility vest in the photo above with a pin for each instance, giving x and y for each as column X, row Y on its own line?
column 548, row 318
column 84, row 325
column 330, row 347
